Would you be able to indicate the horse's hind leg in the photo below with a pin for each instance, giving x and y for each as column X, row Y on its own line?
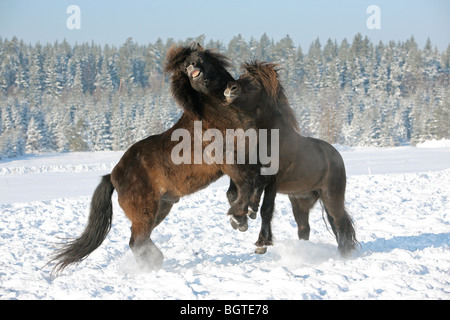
column 341, row 223
column 148, row 256
column 143, row 219
column 301, row 204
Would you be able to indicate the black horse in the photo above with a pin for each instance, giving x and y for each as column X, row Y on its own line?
column 309, row 169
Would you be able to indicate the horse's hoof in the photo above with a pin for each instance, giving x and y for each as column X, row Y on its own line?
column 243, row 226
column 260, row 250
column 233, row 224
column 151, row 260
column 251, row 213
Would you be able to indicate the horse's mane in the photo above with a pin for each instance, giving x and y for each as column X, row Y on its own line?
column 182, row 91
column 178, row 54
column 266, row 74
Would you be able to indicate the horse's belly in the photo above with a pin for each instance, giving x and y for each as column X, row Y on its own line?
column 192, row 178
column 301, row 179
column 289, row 187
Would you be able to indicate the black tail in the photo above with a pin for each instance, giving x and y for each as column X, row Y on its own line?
column 345, row 234
column 98, row 226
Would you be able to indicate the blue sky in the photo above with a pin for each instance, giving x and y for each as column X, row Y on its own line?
column 112, row 22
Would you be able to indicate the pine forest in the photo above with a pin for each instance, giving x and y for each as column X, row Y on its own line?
column 86, row 97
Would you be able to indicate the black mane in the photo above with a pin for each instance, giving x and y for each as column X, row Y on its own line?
column 267, row 75
column 190, row 100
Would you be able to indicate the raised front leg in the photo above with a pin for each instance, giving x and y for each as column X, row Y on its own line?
column 239, row 208
column 246, row 187
column 232, row 195
column 232, row 192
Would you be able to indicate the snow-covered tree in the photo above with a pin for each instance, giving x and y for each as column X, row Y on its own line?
column 59, row 97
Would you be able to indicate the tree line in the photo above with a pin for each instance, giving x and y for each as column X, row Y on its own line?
column 84, row 97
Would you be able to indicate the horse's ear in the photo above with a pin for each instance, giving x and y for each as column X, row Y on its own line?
column 199, row 47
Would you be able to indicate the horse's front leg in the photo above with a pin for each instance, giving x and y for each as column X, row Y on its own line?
column 267, row 208
column 261, row 182
column 232, row 196
column 232, row 192
column 239, row 208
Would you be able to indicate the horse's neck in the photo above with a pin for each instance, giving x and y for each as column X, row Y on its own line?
column 267, row 114
column 212, row 99
column 273, row 116
column 221, row 116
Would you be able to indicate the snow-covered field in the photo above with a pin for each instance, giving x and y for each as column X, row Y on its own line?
column 399, row 199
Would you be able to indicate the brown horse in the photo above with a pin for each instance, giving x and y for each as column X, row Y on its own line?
column 147, row 180
column 309, row 169
column 199, row 78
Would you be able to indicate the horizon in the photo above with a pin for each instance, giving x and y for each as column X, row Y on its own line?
column 113, row 22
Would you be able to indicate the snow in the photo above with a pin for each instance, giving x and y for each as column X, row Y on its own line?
column 399, row 199
column 443, row 143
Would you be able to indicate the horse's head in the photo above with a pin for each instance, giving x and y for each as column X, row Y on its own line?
column 196, row 74
column 243, row 93
column 201, row 71
column 258, row 85
column 259, row 88
column 205, row 69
